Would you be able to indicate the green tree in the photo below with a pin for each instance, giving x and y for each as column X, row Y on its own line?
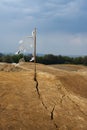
column 7, row 58
column 85, row 60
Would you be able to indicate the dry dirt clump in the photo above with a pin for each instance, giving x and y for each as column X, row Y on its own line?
column 10, row 67
column 57, row 100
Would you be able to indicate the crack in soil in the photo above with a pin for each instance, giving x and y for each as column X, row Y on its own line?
column 52, row 113
column 42, row 102
column 76, row 106
column 37, row 88
column 66, row 95
column 52, row 117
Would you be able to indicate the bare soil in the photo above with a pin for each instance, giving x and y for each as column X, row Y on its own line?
column 57, row 100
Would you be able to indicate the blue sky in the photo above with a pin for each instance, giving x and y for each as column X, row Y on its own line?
column 61, row 25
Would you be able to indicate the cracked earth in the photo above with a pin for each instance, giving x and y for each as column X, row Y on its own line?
column 57, row 100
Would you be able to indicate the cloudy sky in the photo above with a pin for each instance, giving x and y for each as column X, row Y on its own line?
column 61, row 25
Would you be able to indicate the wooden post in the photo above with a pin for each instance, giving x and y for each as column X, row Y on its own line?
column 35, row 54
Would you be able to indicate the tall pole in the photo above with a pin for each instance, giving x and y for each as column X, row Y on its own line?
column 35, row 54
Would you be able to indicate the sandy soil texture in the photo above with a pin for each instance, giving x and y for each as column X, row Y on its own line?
column 57, row 100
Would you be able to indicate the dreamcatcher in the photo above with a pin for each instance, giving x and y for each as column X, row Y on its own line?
column 27, row 45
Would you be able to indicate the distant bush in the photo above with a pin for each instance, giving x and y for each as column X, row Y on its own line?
column 7, row 58
column 46, row 59
column 13, row 58
column 53, row 59
column 85, row 60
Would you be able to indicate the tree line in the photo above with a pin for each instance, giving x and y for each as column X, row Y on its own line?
column 45, row 59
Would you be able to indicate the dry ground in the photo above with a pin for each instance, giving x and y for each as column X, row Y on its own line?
column 56, row 101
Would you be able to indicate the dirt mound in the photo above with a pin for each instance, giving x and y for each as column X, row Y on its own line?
column 69, row 67
column 10, row 67
column 50, row 103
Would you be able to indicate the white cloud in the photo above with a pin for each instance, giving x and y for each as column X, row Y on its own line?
column 55, row 19
column 12, row 1
column 68, row 9
column 62, row 43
